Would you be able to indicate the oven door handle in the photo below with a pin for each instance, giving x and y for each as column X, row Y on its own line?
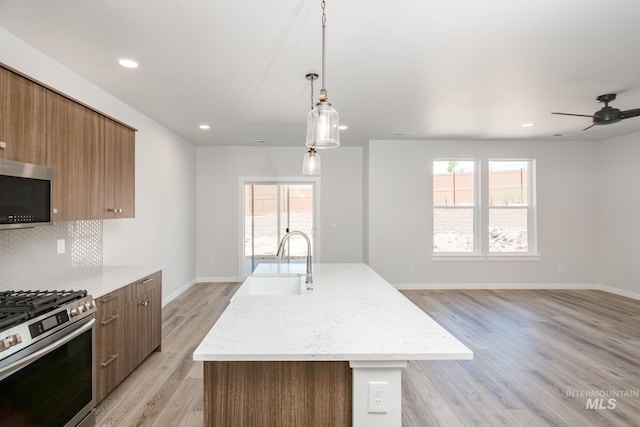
column 18, row 364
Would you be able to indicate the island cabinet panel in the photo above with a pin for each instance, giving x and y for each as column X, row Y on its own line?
column 128, row 330
column 22, row 119
column 278, row 393
column 119, row 168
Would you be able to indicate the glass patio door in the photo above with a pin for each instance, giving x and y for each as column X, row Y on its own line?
column 270, row 211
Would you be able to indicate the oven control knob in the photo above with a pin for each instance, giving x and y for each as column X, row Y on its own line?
column 73, row 312
column 10, row 341
column 88, row 305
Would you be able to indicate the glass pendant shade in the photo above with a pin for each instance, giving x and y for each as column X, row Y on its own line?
column 322, row 127
column 311, row 163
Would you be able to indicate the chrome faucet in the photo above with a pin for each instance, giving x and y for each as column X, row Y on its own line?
column 309, row 275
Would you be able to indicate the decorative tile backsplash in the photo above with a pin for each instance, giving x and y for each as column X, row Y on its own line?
column 29, row 256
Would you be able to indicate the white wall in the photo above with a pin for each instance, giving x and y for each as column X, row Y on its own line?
column 218, row 202
column 400, row 213
column 620, row 219
column 163, row 232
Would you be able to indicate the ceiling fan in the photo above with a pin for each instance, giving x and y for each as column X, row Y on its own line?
column 606, row 115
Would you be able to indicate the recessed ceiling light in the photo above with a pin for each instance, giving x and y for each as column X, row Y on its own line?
column 128, row 63
column 527, row 125
column 205, row 127
column 343, row 127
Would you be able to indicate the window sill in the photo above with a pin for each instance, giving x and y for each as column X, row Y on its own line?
column 457, row 257
column 489, row 258
column 513, row 257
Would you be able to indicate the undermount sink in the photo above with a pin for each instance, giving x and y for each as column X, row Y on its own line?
column 271, row 285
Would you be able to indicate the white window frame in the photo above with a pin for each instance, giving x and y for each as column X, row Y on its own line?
column 481, row 216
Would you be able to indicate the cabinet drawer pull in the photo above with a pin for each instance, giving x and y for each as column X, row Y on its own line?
column 109, row 320
column 112, row 297
column 111, row 359
column 145, row 281
column 145, row 303
column 115, row 210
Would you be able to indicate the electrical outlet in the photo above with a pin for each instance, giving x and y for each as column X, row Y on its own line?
column 378, row 397
column 60, row 246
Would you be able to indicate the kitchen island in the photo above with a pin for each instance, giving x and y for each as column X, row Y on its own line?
column 339, row 348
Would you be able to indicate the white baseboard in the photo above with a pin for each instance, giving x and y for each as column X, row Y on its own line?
column 621, row 292
column 452, row 286
column 166, row 300
column 223, row 279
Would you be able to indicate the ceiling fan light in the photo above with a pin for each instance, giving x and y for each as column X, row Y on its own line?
column 323, row 127
column 311, row 163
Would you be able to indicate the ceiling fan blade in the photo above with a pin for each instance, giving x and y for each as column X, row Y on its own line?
column 569, row 114
column 630, row 113
column 589, row 127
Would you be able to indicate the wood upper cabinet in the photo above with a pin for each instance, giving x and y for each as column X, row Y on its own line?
column 119, row 171
column 22, row 118
column 93, row 156
column 75, row 151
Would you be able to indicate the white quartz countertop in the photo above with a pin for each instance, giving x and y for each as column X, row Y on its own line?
column 99, row 281
column 351, row 314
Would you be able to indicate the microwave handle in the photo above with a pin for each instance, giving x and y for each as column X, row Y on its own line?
column 18, row 364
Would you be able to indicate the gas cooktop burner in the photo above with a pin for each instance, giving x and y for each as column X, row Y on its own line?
column 34, row 303
column 9, row 319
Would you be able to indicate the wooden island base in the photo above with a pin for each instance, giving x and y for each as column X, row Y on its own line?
column 301, row 394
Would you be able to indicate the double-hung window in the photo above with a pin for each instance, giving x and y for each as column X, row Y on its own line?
column 510, row 209
column 455, row 209
column 484, row 214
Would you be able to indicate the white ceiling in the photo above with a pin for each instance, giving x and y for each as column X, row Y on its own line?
column 433, row 69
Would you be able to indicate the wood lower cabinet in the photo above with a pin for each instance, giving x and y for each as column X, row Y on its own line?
column 129, row 328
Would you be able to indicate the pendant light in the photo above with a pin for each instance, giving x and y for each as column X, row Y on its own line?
column 311, row 160
column 323, row 122
column 311, row 163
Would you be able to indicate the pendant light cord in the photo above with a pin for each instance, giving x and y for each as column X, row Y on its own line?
column 323, row 91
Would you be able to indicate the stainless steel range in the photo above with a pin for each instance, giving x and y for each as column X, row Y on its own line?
column 47, row 369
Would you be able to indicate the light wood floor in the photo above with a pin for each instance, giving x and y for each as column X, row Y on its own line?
column 538, row 357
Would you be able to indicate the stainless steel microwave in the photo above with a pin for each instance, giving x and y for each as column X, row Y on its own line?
column 25, row 195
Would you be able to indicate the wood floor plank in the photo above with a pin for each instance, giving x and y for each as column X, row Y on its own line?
column 540, row 358
column 532, row 348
